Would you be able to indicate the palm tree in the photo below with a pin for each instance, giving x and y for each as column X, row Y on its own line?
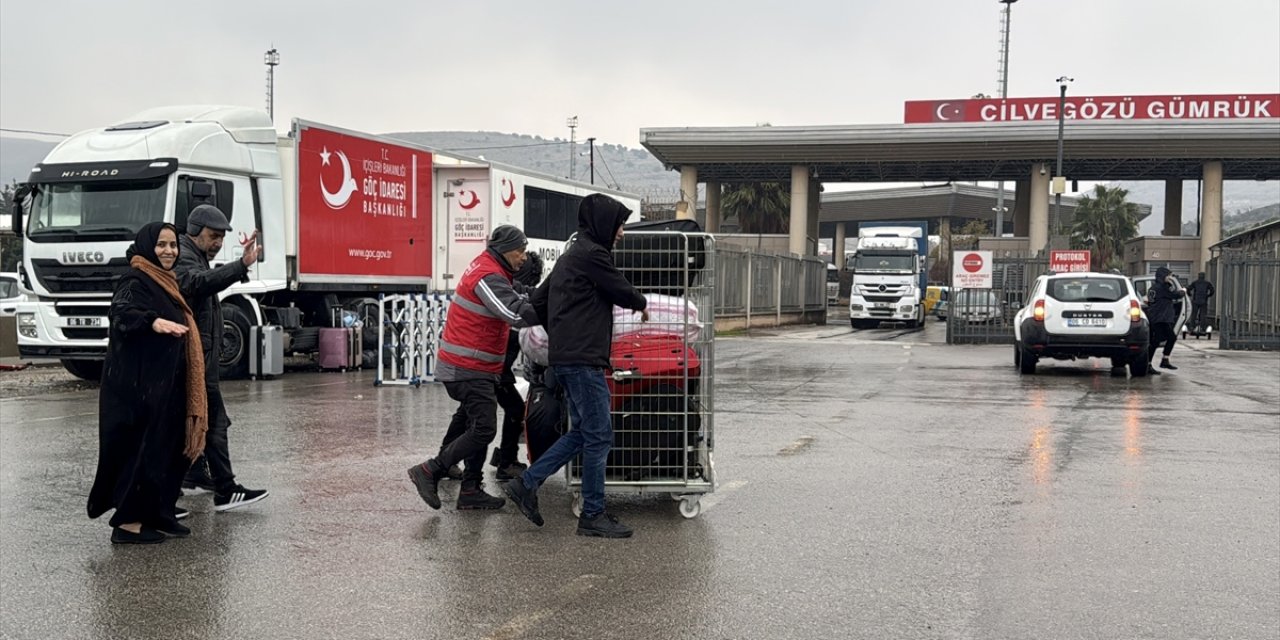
column 761, row 207
column 1103, row 222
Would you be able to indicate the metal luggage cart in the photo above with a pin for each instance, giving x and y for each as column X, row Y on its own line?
column 662, row 387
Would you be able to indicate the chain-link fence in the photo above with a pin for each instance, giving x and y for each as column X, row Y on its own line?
column 761, row 288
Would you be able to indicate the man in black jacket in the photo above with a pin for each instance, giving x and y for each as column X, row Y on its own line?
column 577, row 303
column 1199, row 291
column 200, row 284
column 1162, row 315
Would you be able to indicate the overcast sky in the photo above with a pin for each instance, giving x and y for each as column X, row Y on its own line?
column 523, row 67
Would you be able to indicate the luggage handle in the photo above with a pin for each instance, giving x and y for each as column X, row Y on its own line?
column 624, row 376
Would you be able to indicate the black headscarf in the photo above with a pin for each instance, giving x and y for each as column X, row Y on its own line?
column 600, row 217
column 144, row 244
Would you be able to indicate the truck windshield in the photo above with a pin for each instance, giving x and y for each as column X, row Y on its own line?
column 872, row 262
column 97, row 209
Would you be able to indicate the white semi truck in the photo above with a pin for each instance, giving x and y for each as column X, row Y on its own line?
column 889, row 275
column 343, row 216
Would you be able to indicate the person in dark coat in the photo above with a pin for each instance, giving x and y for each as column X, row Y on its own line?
column 1162, row 314
column 201, row 284
column 152, row 415
column 577, row 303
column 1200, row 291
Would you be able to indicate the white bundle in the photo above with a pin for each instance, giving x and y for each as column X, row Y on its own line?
column 533, row 342
column 668, row 315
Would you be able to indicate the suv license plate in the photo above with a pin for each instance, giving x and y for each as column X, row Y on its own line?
column 1087, row 322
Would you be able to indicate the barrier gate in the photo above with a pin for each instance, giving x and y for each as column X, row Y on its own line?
column 409, row 336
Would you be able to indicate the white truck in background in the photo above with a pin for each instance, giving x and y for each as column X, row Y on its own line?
column 343, row 216
column 889, row 275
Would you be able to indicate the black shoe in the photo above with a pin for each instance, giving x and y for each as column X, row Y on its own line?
column 180, row 513
column 524, row 498
column 173, row 530
column 1165, row 364
column 1152, row 370
column 603, row 525
column 475, row 498
column 198, row 479
column 146, row 535
column 426, row 478
column 236, row 497
column 511, row 471
column 453, row 473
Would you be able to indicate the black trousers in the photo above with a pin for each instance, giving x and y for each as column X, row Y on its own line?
column 1161, row 333
column 217, row 451
column 512, row 411
column 1199, row 316
column 472, row 428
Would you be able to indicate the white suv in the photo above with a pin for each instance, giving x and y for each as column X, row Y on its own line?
column 1082, row 315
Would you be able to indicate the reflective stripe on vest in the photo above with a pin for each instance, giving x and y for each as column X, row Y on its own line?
column 475, row 354
column 478, row 309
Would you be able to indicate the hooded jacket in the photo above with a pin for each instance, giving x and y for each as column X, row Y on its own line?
column 1161, row 299
column 577, row 299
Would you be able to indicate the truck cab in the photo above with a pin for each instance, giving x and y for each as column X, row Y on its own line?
column 888, row 270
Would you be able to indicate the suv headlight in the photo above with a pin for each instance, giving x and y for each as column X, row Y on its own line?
column 27, row 325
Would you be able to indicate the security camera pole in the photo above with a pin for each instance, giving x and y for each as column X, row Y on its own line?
column 1059, row 182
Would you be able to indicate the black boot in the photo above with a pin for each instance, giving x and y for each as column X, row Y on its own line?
column 603, row 525
column 426, row 477
column 1165, row 364
column 472, row 497
column 525, row 498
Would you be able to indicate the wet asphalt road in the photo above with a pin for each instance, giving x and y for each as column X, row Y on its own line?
column 874, row 484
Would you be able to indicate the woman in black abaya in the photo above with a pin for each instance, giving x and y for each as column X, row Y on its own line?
column 151, row 407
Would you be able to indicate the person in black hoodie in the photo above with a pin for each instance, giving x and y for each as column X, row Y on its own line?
column 1162, row 315
column 577, row 303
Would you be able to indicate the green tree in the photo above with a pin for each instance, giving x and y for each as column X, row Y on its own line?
column 761, row 207
column 10, row 244
column 1103, row 222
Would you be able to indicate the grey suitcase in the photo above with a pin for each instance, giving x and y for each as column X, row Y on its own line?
column 266, row 351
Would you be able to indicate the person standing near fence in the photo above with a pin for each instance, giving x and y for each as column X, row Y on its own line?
column 577, row 302
column 1200, row 291
column 1162, row 315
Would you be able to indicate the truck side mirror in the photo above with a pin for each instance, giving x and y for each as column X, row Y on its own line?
column 19, row 195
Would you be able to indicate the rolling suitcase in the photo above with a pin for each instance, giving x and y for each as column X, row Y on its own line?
column 335, row 348
column 643, row 362
column 266, row 351
column 355, row 350
column 545, row 418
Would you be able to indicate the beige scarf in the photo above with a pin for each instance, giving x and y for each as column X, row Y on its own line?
column 197, row 422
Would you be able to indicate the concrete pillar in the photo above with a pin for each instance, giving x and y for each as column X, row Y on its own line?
column 1021, row 208
column 815, row 205
column 1210, row 211
column 799, row 209
column 713, row 208
column 1038, row 231
column 837, row 249
column 1172, row 208
column 688, row 193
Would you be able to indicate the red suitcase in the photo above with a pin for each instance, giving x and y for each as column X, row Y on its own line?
column 643, row 363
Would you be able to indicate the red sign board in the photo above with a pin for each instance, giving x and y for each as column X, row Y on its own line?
column 1209, row 107
column 972, row 263
column 364, row 208
column 1070, row 261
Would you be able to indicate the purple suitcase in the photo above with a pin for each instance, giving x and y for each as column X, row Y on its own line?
column 335, row 348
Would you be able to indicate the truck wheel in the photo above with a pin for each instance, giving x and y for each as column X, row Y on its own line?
column 90, row 370
column 233, row 352
column 370, row 314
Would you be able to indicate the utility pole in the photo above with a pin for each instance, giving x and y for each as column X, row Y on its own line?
column 1004, row 93
column 573, row 143
column 1059, row 182
column 271, row 59
column 592, row 143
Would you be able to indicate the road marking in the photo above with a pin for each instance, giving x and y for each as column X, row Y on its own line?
column 802, row 443
column 568, row 594
column 74, row 415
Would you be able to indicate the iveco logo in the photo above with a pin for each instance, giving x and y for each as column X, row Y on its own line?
column 83, row 257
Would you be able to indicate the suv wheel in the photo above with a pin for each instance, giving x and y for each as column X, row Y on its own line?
column 1139, row 365
column 1027, row 363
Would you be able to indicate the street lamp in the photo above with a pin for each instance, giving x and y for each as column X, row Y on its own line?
column 1004, row 93
column 572, row 123
column 271, row 59
column 1060, row 182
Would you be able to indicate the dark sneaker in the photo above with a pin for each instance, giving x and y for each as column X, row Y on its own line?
column 198, row 480
column 1153, row 371
column 173, row 530
column 146, row 536
column 237, row 497
column 511, row 471
column 475, row 498
column 603, row 525
column 524, row 498
column 1165, row 364
column 424, row 477
column 180, row 513
column 454, row 472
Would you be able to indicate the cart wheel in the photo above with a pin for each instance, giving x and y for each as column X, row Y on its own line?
column 577, row 505
column 690, row 507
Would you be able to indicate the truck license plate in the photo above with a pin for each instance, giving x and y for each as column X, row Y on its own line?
column 84, row 322
column 881, row 305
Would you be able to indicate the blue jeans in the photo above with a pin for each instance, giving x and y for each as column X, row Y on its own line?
column 591, row 433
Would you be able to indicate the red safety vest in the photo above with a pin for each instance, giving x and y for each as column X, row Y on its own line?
column 474, row 338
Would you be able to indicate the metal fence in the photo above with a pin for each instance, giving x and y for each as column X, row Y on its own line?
column 985, row 316
column 755, row 283
column 1248, row 300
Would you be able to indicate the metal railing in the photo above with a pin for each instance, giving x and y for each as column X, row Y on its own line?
column 755, row 283
column 1248, row 305
column 985, row 316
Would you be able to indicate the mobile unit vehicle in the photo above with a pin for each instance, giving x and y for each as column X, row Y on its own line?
column 890, row 274
column 1142, row 285
column 1082, row 315
column 342, row 217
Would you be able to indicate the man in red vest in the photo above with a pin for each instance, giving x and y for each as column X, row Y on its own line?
column 484, row 307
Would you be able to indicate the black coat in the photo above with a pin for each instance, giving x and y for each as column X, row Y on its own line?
column 200, row 286
column 141, row 407
column 576, row 301
column 1163, row 300
column 1200, row 291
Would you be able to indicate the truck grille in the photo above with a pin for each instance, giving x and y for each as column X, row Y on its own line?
column 882, row 298
column 95, row 278
column 85, row 334
column 895, row 290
